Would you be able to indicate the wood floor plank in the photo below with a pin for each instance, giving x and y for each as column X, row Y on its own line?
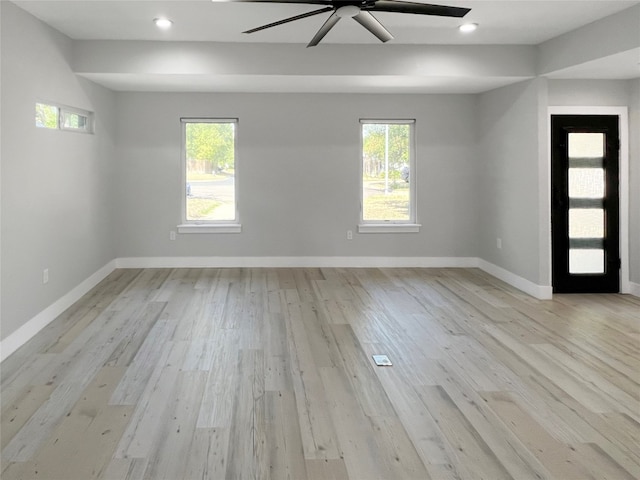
column 194, row 323
column 63, row 329
column 563, row 461
column 142, row 430
column 354, row 432
column 247, row 454
column 599, row 464
column 41, row 424
column 275, row 338
column 474, row 457
column 278, row 374
column 173, row 440
column 207, row 457
column 15, row 414
column 402, row 459
column 200, row 354
column 316, row 426
column 620, row 400
column 511, row 453
column 566, row 419
column 283, row 439
column 142, row 366
column 84, row 319
column 234, row 303
column 56, row 367
column 319, row 334
column 372, row 398
column 75, row 377
column 263, row 373
column 555, row 373
column 621, row 376
column 100, row 427
column 128, row 348
column 327, row 469
column 426, row 436
column 216, row 407
column 125, row 469
column 26, row 375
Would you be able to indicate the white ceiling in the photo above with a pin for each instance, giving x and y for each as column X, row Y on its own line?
column 502, row 22
column 511, row 22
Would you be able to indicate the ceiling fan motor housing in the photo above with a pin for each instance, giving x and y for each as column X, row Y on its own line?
column 347, row 11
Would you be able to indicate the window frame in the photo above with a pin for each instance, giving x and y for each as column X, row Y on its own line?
column 207, row 226
column 66, row 111
column 62, row 111
column 410, row 225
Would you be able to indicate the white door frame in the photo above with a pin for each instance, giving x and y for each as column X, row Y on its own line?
column 623, row 114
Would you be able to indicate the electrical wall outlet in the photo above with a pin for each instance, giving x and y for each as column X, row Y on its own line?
column 499, row 243
column 45, row 276
column 349, row 234
column 172, row 235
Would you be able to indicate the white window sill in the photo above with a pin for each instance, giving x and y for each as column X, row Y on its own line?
column 389, row 228
column 210, row 228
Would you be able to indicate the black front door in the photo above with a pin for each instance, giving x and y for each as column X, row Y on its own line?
column 585, row 203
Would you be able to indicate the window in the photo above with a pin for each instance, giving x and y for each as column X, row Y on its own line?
column 46, row 116
column 60, row 117
column 209, row 166
column 75, row 121
column 388, row 171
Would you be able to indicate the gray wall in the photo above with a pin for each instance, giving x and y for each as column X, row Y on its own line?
column 591, row 93
column 56, row 198
column 297, row 174
column 508, row 203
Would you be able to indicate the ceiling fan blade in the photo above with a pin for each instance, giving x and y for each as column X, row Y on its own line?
column 290, row 19
column 324, row 29
column 417, row 8
column 372, row 24
column 308, row 2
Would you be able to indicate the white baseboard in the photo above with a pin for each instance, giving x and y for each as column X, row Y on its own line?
column 296, row 262
column 541, row 292
column 538, row 291
column 18, row 338
column 634, row 289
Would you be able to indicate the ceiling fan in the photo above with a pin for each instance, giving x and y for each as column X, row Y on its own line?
column 360, row 11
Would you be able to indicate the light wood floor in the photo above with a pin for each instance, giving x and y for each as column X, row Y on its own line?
column 267, row 374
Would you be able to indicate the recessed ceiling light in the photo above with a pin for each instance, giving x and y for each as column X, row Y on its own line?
column 163, row 23
column 468, row 27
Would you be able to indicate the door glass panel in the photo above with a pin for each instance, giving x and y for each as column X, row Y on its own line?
column 586, row 223
column 586, row 180
column 586, row 145
column 586, row 183
column 586, row 261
